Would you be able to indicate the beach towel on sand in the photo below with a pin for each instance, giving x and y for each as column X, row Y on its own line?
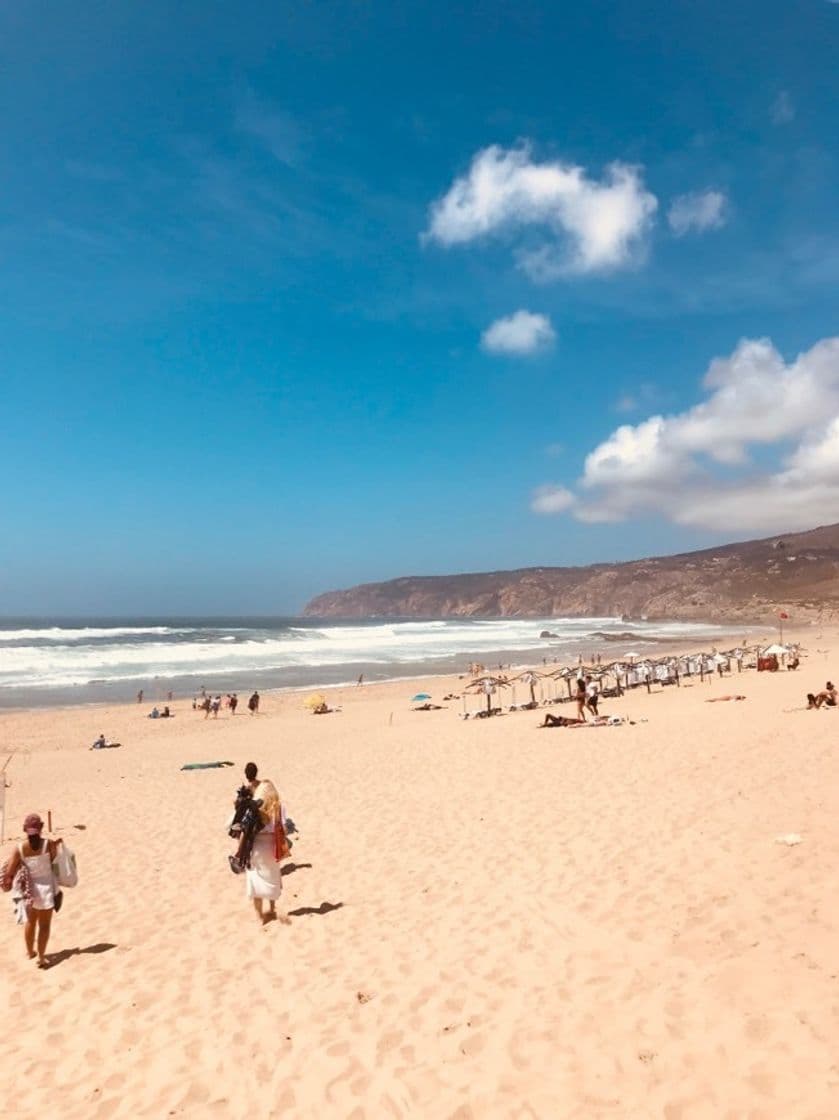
column 205, row 765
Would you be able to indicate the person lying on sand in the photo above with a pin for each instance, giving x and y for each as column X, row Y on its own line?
column 426, row 707
column 559, row 721
column 716, row 699
column 597, row 721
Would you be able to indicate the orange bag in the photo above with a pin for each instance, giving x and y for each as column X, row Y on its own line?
column 281, row 846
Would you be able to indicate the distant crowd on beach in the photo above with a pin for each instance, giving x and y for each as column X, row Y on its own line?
column 212, row 705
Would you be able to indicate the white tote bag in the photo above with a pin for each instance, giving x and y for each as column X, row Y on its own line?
column 64, row 867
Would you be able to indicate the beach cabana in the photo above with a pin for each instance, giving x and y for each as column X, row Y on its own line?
column 529, row 678
column 488, row 686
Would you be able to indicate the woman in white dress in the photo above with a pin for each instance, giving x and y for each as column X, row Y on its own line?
column 264, row 876
column 35, row 855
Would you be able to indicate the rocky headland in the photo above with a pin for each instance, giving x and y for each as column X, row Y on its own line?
column 749, row 581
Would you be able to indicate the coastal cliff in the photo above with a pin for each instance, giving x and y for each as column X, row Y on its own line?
column 748, row 581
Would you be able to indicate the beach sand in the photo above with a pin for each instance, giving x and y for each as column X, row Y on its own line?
column 488, row 919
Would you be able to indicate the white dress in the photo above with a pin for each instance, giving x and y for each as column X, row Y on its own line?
column 40, row 872
column 264, row 877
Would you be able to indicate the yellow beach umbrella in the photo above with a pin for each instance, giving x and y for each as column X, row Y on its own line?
column 316, row 700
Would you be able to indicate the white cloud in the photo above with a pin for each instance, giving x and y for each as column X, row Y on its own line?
column 519, row 333
column 552, row 499
column 592, row 226
column 783, row 110
column 272, row 127
column 697, row 212
column 696, row 467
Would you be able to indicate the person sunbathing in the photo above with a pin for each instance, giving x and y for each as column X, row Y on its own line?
column 559, row 721
column 101, row 744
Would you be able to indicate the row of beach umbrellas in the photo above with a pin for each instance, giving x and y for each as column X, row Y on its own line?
column 488, row 684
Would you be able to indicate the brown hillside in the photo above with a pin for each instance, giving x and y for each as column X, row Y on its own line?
column 748, row 581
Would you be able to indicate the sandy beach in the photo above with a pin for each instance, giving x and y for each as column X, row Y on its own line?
column 488, row 919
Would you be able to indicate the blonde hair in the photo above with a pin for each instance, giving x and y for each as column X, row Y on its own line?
column 270, row 808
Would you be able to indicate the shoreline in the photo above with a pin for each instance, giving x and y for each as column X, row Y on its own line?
column 71, row 666
column 676, row 646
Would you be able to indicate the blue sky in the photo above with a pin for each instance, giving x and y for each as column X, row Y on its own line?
column 299, row 296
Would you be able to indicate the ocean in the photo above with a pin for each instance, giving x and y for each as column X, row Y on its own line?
column 75, row 661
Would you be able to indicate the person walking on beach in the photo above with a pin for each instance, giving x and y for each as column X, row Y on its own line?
column 591, row 695
column 234, row 703
column 264, row 876
column 253, row 704
column 140, row 696
column 29, row 869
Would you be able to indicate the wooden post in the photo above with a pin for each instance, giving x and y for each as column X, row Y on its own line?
column 49, row 820
column 3, row 788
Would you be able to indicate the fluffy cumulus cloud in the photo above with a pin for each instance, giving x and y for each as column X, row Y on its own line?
column 698, row 467
column 694, row 213
column 586, row 225
column 552, row 499
column 521, row 333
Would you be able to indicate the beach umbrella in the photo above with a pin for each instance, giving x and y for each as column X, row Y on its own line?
column 488, row 685
column 316, row 700
column 420, row 696
column 530, row 680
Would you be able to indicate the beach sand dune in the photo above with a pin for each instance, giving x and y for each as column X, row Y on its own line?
column 488, row 919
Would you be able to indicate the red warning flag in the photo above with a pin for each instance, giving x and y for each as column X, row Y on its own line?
column 782, row 614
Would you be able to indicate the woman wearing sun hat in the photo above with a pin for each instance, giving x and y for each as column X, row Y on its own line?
column 32, row 862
